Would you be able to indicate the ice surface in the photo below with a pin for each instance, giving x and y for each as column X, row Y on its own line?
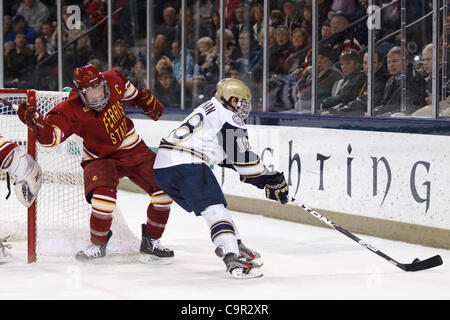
column 300, row 262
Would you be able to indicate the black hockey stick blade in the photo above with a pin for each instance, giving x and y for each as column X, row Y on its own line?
column 416, row 265
column 422, row 265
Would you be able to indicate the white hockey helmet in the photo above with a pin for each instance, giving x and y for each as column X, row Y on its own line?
column 229, row 88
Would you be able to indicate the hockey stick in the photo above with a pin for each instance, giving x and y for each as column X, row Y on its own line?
column 416, row 265
column 8, row 103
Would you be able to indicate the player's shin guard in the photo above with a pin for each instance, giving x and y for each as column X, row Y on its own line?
column 103, row 204
column 157, row 214
column 220, row 223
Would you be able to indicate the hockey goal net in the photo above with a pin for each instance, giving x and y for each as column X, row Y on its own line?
column 57, row 224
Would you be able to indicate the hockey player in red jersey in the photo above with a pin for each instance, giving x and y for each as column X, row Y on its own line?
column 112, row 149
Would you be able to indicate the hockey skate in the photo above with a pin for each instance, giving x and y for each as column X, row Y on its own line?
column 93, row 251
column 152, row 251
column 249, row 254
column 239, row 268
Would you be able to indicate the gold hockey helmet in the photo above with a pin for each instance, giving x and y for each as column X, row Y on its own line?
column 229, row 88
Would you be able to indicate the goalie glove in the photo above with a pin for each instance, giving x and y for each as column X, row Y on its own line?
column 26, row 175
column 276, row 187
column 152, row 107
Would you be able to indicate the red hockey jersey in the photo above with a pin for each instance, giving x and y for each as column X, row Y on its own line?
column 103, row 133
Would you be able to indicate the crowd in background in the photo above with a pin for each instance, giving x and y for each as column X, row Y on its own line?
column 30, row 41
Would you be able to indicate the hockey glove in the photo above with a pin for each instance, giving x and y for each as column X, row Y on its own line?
column 277, row 188
column 29, row 115
column 26, row 113
column 152, row 107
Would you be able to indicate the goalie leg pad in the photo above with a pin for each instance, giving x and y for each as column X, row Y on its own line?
column 28, row 189
column 26, row 175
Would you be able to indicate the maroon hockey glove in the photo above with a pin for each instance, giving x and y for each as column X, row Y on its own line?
column 29, row 115
column 152, row 107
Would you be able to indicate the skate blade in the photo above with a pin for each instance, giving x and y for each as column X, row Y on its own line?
column 151, row 259
column 238, row 273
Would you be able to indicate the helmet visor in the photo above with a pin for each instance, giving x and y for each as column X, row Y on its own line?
column 95, row 96
column 243, row 108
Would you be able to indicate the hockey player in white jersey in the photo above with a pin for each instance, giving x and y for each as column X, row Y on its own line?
column 26, row 176
column 215, row 133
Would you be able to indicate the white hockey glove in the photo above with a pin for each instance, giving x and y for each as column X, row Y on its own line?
column 26, row 175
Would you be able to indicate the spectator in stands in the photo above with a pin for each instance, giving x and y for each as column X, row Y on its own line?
column 6, row 25
column 342, row 40
column 163, row 62
column 18, row 62
column 96, row 10
column 34, row 12
column 324, row 7
column 257, row 60
column 297, row 54
column 346, row 6
column 327, row 76
column 169, row 25
column 444, row 105
column 160, row 47
column 207, row 65
column 275, row 18
column 282, row 49
column 123, row 57
column 427, row 58
column 257, row 16
column 242, row 20
column 359, row 105
column 415, row 95
column 194, row 29
column 348, row 88
column 168, row 89
column 230, row 7
column 176, row 62
column 206, row 9
column 215, row 25
column 307, row 18
column 19, row 25
column 245, row 50
column 326, row 29
column 45, row 68
column 139, row 77
column 238, row 71
column 292, row 15
column 49, row 33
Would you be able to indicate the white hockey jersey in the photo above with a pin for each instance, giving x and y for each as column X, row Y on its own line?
column 211, row 134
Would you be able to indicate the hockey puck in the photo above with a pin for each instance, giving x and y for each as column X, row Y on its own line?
column 416, row 260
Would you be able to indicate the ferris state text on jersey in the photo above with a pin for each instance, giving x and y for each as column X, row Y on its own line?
column 103, row 132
